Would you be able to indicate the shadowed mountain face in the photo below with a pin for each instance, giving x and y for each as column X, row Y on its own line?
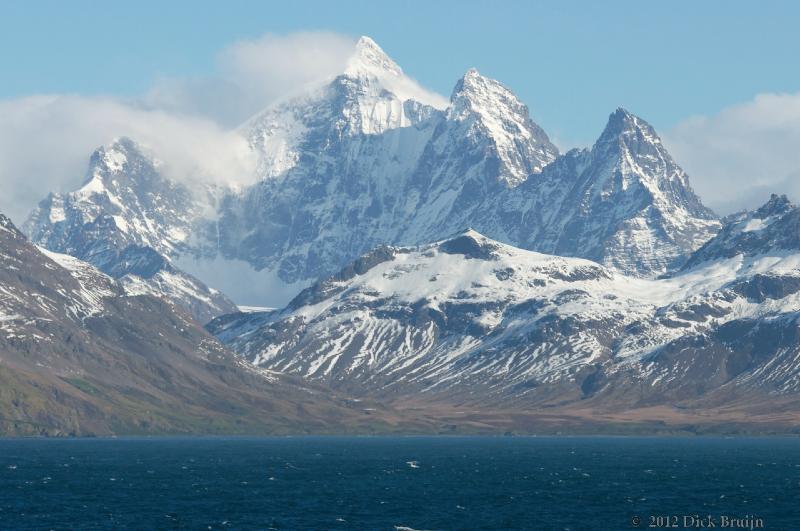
column 360, row 162
column 471, row 321
column 78, row 356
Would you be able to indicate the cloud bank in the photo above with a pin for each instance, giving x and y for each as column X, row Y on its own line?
column 46, row 140
column 45, row 143
column 737, row 157
column 252, row 74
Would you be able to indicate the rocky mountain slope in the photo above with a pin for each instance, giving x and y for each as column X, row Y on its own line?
column 355, row 165
column 624, row 203
column 332, row 188
column 125, row 220
column 468, row 320
column 370, row 159
column 79, row 356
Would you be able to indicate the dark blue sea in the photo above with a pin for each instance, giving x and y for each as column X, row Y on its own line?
column 399, row 483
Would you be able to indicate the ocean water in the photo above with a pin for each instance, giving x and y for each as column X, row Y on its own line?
column 398, row 483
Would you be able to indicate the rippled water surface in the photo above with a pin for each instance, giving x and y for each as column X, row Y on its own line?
column 396, row 483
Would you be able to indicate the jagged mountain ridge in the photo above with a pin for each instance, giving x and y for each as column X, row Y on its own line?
column 125, row 220
column 480, row 163
column 624, row 203
column 470, row 320
column 350, row 169
column 124, row 200
column 360, row 162
column 360, row 166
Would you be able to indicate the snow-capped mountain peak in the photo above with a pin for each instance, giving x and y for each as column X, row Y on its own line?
column 114, row 155
column 127, row 220
column 116, row 166
column 634, row 148
column 621, row 122
column 123, row 187
column 490, row 110
column 477, row 94
column 629, row 137
column 627, row 204
column 369, row 58
column 371, row 96
column 375, row 74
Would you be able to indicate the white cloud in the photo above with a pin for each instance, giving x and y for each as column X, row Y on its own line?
column 738, row 156
column 45, row 143
column 252, row 74
column 190, row 124
column 46, row 140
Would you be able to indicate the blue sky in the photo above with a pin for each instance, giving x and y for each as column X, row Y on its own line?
column 718, row 79
column 571, row 62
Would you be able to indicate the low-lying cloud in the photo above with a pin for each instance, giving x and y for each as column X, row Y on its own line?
column 737, row 157
column 190, row 124
column 45, row 143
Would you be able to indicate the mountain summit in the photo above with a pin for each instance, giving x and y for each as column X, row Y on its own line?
column 625, row 202
column 370, row 58
column 126, row 220
column 370, row 159
column 521, row 146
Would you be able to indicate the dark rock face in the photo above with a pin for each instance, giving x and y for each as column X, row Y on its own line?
column 774, row 227
column 760, row 287
column 777, row 205
column 469, row 247
column 736, row 356
column 136, row 260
